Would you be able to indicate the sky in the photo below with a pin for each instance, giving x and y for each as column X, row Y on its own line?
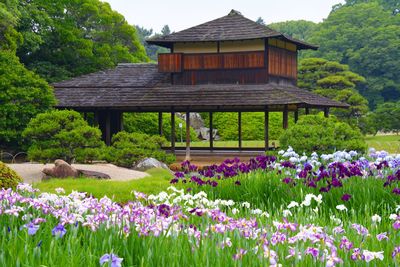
column 181, row 14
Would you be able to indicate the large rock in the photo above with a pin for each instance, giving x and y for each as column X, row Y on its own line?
column 204, row 134
column 61, row 169
column 149, row 163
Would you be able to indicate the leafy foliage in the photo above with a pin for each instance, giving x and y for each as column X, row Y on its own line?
column 63, row 134
column 386, row 117
column 335, row 81
column 299, row 29
column 23, row 95
column 8, row 177
column 152, row 50
column 366, row 36
column 252, row 125
column 64, row 39
column 147, row 123
column 325, row 135
column 128, row 148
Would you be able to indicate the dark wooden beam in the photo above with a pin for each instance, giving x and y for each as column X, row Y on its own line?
column 160, row 124
column 307, row 111
column 173, row 132
column 211, row 131
column 96, row 118
column 187, row 136
column 296, row 116
column 285, row 117
column 108, row 128
column 266, row 129
column 122, row 121
column 326, row 112
column 240, row 130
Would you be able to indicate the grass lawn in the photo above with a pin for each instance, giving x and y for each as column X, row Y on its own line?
column 258, row 143
column 119, row 191
column 389, row 143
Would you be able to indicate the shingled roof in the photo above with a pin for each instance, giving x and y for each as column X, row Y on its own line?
column 231, row 27
column 139, row 87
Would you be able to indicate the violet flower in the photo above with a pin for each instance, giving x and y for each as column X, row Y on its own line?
column 59, row 231
column 111, row 258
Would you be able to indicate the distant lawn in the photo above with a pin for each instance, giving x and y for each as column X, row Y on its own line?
column 389, row 143
column 252, row 144
column 120, row 191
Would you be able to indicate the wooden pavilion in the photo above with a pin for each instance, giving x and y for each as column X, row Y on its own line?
column 231, row 64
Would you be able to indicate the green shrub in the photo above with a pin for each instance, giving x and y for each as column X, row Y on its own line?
column 323, row 135
column 63, row 134
column 252, row 125
column 8, row 177
column 128, row 148
column 147, row 123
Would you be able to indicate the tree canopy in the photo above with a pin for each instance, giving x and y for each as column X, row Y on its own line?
column 63, row 39
column 300, row 29
column 366, row 36
column 335, row 81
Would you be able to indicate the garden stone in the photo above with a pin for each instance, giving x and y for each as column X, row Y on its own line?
column 94, row 174
column 149, row 163
column 61, row 169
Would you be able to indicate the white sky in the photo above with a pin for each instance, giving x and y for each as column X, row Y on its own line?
column 181, row 14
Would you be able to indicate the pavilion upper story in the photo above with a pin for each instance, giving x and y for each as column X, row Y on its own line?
column 230, row 50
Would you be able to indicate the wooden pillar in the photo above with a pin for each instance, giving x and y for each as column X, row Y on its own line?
column 307, row 111
column 173, row 132
column 240, row 129
column 326, row 112
column 85, row 116
column 296, row 116
column 266, row 129
column 160, row 124
column 96, row 118
column 285, row 117
column 108, row 128
column 122, row 121
column 187, row 136
column 211, row 132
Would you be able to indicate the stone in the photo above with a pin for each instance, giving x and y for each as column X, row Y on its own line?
column 149, row 163
column 61, row 169
column 204, row 134
column 94, row 174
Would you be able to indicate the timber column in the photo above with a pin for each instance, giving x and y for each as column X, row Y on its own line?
column 187, row 136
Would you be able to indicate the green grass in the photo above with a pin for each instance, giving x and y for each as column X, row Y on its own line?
column 389, row 143
column 120, row 191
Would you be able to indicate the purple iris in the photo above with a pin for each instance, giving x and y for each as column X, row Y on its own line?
column 346, row 197
column 111, row 258
column 59, row 231
column 32, row 228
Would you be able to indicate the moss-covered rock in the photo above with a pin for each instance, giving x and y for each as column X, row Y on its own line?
column 8, row 177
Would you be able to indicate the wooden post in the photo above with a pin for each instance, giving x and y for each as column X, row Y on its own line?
column 211, row 132
column 326, row 112
column 122, row 121
column 240, row 129
column 173, row 132
column 307, row 111
column 285, row 117
column 160, row 124
column 296, row 116
column 85, row 116
column 96, row 118
column 266, row 129
column 187, row 136
column 108, row 128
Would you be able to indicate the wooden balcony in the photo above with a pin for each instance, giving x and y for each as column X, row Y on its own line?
column 178, row 62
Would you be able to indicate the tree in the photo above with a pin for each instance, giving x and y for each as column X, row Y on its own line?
column 9, row 37
column 64, row 39
column 165, row 30
column 300, row 29
column 151, row 50
column 366, row 36
column 23, row 95
column 335, row 81
column 387, row 117
column 63, row 134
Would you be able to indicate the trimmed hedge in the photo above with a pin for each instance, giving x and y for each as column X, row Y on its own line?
column 323, row 135
column 8, row 177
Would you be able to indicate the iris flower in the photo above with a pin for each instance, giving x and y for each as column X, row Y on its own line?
column 111, row 258
column 59, row 231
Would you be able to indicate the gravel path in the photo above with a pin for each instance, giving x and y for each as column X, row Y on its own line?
column 32, row 172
